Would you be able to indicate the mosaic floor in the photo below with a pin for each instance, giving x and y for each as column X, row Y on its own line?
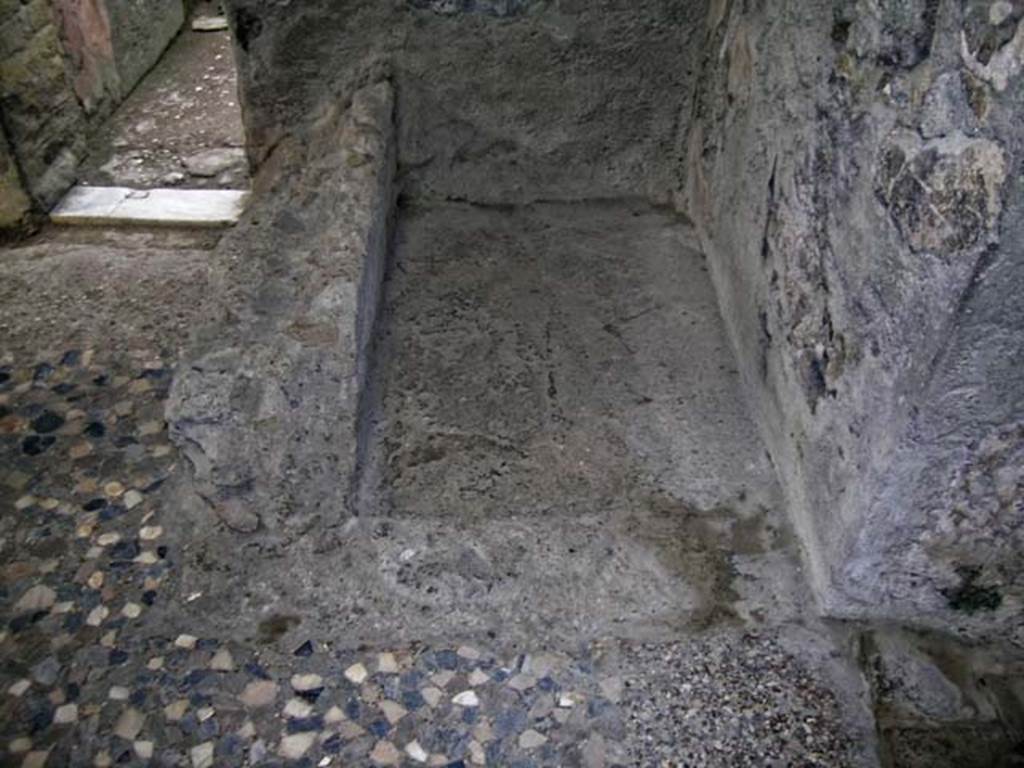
column 89, row 680
column 99, row 666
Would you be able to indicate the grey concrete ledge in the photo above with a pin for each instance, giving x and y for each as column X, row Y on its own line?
column 266, row 403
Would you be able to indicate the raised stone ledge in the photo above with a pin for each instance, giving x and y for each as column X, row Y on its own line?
column 266, row 404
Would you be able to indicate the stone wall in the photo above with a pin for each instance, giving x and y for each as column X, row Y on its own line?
column 65, row 64
column 854, row 171
column 14, row 202
column 44, row 120
column 498, row 100
column 140, row 31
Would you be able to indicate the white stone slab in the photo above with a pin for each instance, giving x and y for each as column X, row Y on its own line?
column 209, row 24
column 163, row 207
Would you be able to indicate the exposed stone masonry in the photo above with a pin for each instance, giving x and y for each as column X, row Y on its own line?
column 65, row 64
column 850, row 168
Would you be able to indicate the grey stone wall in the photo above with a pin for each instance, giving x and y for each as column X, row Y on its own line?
column 65, row 64
column 498, row 100
column 14, row 202
column 140, row 31
column 854, row 170
column 43, row 118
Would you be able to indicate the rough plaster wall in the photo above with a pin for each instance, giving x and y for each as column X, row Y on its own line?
column 43, row 119
column 65, row 64
column 14, row 203
column 497, row 101
column 854, row 170
column 85, row 34
column 140, row 32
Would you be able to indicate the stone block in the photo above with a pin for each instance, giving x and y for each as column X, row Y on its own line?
column 267, row 410
column 38, row 14
column 161, row 207
column 911, row 683
column 944, row 195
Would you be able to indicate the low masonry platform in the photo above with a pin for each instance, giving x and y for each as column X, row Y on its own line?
column 161, row 207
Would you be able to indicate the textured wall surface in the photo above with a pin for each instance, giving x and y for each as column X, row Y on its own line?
column 14, row 202
column 140, row 31
column 66, row 63
column 854, row 168
column 498, row 101
column 86, row 37
column 44, row 120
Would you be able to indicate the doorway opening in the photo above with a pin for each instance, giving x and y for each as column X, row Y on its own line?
column 174, row 151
